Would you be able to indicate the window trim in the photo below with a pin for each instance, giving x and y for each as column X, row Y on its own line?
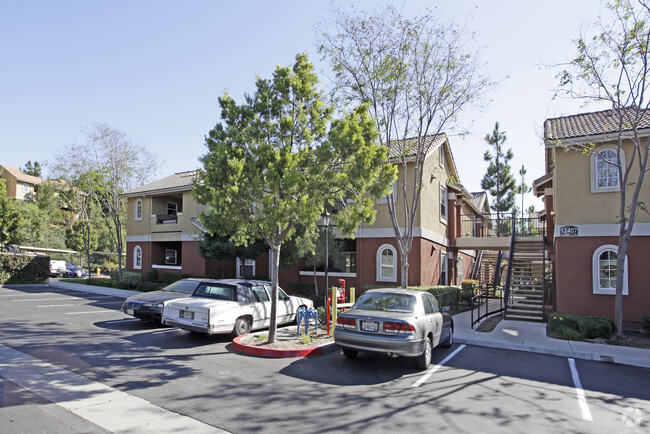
column 167, row 251
column 175, row 207
column 444, row 268
column 595, row 271
column 593, row 163
column 141, row 213
column 443, row 206
column 137, row 258
column 247, row 261
column 379, row 264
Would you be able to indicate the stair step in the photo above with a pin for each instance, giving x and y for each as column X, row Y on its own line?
column 523, row 317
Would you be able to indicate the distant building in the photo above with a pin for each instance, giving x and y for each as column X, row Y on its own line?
column 20, row 186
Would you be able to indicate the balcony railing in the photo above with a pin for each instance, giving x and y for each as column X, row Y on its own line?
column 163, row 219
column 501, row 225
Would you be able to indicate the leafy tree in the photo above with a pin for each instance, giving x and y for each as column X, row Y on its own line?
column 523, row 188
column 9, row 217
column 276, row 160
column 105, row 166
column 416, row 75
column 611, row 66
column 32, row 169
column 498, row 179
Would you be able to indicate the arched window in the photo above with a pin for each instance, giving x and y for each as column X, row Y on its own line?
column 138, row 209
column 605, row 272
column 386, row 264
column 604, row 169
column 137, row 258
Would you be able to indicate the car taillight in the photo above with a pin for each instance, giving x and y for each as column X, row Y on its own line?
column 346, row 322
column 398, row 327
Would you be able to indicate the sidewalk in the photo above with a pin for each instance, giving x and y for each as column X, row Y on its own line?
column 531, row 337
column 508, row 335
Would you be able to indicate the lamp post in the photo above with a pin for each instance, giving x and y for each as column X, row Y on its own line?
column 324, row 222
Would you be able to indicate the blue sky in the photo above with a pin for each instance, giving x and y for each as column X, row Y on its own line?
column 154, row 69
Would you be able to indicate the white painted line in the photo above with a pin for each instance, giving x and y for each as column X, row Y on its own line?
column 122, row 320
column 90, row 311
column 57, row 305
column 166, row 331
column 104, row 406
column 47, row 299
column 433, row 369
column 580, row 393
column 107, row 302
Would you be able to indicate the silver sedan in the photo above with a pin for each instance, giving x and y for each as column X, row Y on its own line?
column 403, row 322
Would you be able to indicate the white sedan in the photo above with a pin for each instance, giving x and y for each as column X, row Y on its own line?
column 230, row 306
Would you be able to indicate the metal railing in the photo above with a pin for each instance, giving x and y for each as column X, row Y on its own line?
column 500, row 225
column 511, row 255
column 450, row 298
column 482, row 301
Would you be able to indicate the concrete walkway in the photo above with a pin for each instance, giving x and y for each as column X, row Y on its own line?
column 509, row 335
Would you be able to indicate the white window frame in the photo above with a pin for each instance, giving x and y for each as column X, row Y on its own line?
column 595, row 156
column 444, row 265
column 246, row 263
column 137, row 258
column 380, row 251
column 595, row 268
column 175, row 208
column 442, row 156
column 167, row 255
column 137, row 214
column 444, row 203
column 25, row 188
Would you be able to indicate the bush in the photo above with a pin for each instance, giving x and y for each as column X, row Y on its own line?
column 596, row 327
column 570, row 334
column 152, row 275
column 586, row 327
column 98, row 281
column 20, row 268
column 148, row 286
column 301, row 290
column 169, row 278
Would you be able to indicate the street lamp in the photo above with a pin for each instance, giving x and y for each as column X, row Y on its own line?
column 324, row 222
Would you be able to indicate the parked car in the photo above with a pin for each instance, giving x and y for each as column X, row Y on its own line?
column 231, row 306
column 57, row 268
column 72, row 270
column 403, row 322
column 148, row 306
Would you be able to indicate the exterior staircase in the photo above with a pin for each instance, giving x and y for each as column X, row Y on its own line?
column 526, row 297
column 487, row 268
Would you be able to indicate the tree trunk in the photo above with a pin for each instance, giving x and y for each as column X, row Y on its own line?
column 275, row 267
column 405, row 271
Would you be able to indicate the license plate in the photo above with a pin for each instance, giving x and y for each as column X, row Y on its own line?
column 369, row 326
column 186, row 314
column 129, row 311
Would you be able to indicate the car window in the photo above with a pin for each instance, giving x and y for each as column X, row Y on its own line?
column 386, row 301
column 428, row 307
column 219, row 292
column 282, row 296
column 244, row 294
column 184, row 286
column 259, row 294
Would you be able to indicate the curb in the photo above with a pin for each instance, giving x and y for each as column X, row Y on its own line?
column 596, row 357
column 253, row 350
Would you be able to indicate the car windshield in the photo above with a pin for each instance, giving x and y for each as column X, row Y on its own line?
column 70, row 266
column 386, row 301
column 220, row 292
column 184, row 286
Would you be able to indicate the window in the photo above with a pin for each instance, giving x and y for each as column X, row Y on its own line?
column 172, row 208
column 604, row 270
column 138, row 209
column 245, row 268
column 443, row 203
column 443, row 268
column 604, row 169
column 259, row 294
column 386, row 264
column 219, row 292
column 25, row 188
column 442, row 155
column 137, row 258
column 170, row 257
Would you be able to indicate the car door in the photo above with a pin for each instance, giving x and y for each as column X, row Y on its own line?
column 284, row 308
column 433, row 316
column 261, row 306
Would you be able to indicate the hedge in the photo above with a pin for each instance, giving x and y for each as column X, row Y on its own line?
column 21, row 268
column 577, row 327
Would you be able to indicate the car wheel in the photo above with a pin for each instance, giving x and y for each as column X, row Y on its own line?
column 242, row 327
column 450, row 340
column 424, row 360
column 350, row 354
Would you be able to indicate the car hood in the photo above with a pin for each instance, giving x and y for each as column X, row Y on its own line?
column 157, row 296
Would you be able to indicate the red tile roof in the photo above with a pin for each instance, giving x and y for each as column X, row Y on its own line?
column 590, row 124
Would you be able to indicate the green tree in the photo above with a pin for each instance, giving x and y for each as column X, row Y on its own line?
column 9, row 217
column 611, row 66
column 32, row 169
column 416, row 75
column 276, row 160
column 498, row 179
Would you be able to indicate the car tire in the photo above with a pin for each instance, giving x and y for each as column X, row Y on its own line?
column 424, row 360
column 242, row 327
column 350, row 354
column 450, row 339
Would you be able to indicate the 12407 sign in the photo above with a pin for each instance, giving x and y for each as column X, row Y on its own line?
column 568, row 230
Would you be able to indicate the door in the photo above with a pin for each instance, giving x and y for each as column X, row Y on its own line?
column 433, row 316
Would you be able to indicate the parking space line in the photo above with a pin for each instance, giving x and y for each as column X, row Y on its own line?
column 93, row 311
column 47, row 299
column 580, row 393
column 433, row 369
column 122, row 320
column 166, row 331
column 57, row 305
column 108, row 302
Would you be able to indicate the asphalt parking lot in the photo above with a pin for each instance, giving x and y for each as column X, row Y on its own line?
column 64, row 355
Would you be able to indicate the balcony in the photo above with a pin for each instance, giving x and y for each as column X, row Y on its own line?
column 493, row 232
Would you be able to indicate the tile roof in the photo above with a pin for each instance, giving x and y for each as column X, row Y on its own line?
column 408, row 147
column 587, row 124
column 478, row 200
column 181, row 181
column 22, row 176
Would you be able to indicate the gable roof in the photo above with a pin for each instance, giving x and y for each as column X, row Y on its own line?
column 22, row 176
column 408, row 147
column 589, row 124
column 175, row 183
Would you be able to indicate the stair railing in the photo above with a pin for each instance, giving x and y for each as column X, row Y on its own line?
column 544, row 273
column 477, row 265
column 506, row 293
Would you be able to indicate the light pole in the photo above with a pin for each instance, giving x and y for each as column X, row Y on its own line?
column 324, row 222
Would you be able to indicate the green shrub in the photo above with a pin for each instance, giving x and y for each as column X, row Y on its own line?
column 301, row 289
column 570, row 334
column 148, row 286
column 468, row 284
column 588, row 327
column 21, row 268
column 99, row 281
column 169, row 278
column 152, row 275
